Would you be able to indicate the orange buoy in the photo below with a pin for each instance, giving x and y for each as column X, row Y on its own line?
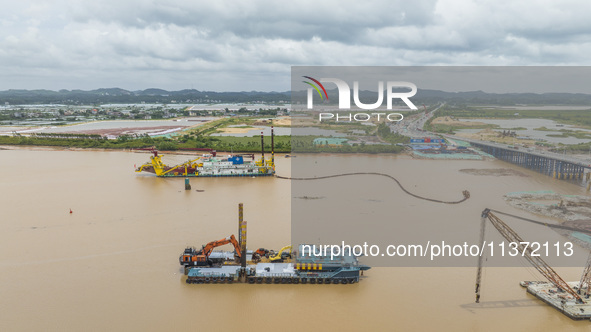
column 70, row 210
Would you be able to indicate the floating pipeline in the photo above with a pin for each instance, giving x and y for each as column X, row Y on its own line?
column 466, row 193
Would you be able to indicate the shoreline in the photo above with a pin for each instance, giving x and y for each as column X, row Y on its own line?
column 177, row 152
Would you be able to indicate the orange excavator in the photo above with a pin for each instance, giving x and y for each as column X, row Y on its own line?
column 192, row 257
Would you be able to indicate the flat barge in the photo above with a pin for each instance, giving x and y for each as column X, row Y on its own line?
column 570, row 298
column 559, row 299
column 343, row 269
column 302, row 266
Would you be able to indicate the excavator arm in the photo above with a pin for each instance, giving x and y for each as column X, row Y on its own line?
column 208, row 248
column 193, row 257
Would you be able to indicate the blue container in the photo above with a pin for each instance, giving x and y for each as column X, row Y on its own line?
column 236, row 160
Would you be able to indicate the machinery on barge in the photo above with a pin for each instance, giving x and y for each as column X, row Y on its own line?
column 305, row 265
column 210, row 165
column 570, row 298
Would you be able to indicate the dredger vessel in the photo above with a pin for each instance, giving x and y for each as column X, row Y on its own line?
column 210, row 165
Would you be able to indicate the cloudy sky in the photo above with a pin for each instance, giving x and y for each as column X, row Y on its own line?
column 250, row 45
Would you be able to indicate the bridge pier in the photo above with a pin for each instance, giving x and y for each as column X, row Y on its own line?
column 562, row 169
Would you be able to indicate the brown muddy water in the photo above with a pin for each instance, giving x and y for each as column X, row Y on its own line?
column 112, row 265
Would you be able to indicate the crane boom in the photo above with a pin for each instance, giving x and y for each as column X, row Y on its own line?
column 585, row 283
column 538, row 263
column 480, row 259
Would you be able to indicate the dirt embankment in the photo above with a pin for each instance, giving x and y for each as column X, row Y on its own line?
column 567, row 208
column 282, row 121
column 493, row 172
column 448, row 121
column 237, row 130
column 494, row 136
column 570, row 210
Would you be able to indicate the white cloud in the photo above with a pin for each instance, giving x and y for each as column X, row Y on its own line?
column 223, row 45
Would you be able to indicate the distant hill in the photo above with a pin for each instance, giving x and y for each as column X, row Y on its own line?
column 425, row 96
column 154, row 95
column 117, row 95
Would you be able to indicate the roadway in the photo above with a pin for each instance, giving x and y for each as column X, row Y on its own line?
column 414, row 127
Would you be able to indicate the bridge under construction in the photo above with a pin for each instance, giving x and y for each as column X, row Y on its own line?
column 555, row 165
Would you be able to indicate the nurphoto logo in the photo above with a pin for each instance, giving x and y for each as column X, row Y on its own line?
column 345, row 93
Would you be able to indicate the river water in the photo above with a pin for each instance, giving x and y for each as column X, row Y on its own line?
column 111, row 265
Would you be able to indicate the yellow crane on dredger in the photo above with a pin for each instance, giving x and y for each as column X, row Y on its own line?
column 157, row 167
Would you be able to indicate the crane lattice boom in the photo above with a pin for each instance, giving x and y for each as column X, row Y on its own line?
column 585, row 283
column 538, row 263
